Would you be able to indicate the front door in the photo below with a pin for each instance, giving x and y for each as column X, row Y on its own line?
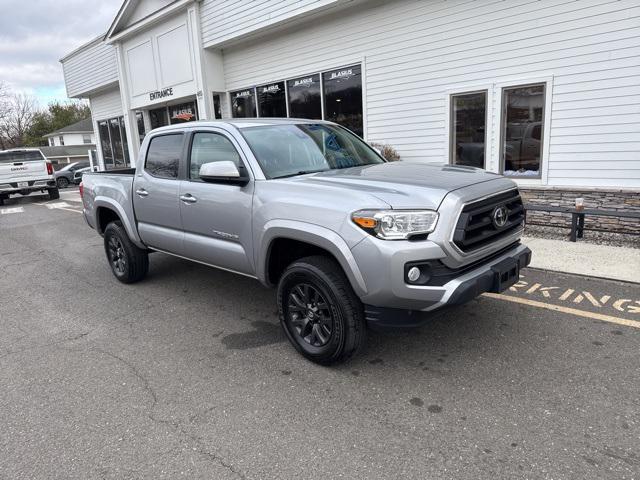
column 156, row 189
column 216, row 217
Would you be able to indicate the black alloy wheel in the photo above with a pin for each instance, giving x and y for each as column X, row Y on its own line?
column 309, row 315
column 117, row 255
column 62, row 182
column 319, row 311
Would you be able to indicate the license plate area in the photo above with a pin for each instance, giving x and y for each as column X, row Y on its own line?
column 505, row 274
column 23, row 184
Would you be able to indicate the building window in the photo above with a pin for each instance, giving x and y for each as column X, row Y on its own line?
column 341, row 88
column 51, row 142
column 141, row 130
column 182, row 113
column 522, row 130
column 468, row 129
column 163, row 156
column 243, row 103
column 271, row 100
column 217, row 106
column 86, row 139
column 61, row 140
column 113, row 143
column 159, row 117
column 343, row 97
column 304, row 97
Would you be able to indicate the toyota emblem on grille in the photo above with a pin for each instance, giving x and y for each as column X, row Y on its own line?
column 500, row 216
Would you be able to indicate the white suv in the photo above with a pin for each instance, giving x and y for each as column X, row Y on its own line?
column 24, row 171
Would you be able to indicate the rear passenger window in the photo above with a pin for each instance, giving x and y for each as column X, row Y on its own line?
column 163, row 156
column 210, row 147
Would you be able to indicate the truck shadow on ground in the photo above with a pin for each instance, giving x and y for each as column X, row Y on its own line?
column 466, row 331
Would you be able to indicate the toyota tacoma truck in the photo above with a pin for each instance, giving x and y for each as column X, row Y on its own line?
column 25, row 171
column 348, row 240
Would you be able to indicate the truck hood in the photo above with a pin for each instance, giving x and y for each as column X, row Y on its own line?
column 402, row 184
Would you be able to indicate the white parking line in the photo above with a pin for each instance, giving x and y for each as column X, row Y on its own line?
column 51, row 206
column 6, row 211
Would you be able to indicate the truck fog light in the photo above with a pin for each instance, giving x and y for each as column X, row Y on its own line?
column 414, row 274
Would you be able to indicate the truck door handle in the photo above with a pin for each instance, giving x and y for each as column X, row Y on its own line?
column 188, row 198
column 141, row 192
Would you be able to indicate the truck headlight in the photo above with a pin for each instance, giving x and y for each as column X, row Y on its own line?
column 396, row 224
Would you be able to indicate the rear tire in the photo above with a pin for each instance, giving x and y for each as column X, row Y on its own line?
column 319, row 311
column 62, row 182
column 54, row 193
column 128, row 262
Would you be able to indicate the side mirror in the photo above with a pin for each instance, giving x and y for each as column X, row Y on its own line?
column 222, row 172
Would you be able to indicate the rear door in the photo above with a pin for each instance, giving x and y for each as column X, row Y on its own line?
column 156, row 189
column 216, row 217
column 22, row 166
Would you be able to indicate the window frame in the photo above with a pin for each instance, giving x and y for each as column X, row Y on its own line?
column 449, row 118
column 192, row 134
column 502, row 126
column 86, row 139
column 179, row 175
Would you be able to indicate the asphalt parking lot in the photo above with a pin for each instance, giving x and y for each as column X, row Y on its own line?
column 187, row 375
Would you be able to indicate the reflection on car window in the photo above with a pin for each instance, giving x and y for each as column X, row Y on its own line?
column 210, row 147
column 285, row 150
column 163, row 156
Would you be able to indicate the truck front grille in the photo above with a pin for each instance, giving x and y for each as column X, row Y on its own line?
column 477, row 225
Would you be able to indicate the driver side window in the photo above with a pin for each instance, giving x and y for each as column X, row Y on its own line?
column 208, row 147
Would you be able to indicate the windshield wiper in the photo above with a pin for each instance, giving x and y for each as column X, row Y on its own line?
column 301, row 172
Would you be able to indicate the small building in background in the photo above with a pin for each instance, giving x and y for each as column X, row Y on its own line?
column 79, row 133
column 70, row 144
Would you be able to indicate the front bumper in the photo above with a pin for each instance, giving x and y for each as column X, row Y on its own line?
column 392, row 302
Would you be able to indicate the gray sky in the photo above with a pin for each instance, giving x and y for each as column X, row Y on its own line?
column 35, row 34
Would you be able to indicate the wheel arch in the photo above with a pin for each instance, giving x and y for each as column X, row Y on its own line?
column 316, row 239
column 107, row 210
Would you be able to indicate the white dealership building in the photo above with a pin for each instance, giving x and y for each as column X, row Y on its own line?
column 544, row 91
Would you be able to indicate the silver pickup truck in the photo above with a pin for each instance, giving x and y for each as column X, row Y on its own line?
column 349, row 240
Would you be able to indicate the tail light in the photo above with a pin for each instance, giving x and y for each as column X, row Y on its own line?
column 49, row 168
column 81, row 188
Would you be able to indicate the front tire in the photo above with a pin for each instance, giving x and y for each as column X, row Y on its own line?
column 319, row 311
column 128, row 262
column 62, row 182
column 54, row 193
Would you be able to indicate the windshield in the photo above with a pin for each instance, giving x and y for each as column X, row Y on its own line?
column 288, row 150
column 24, row 156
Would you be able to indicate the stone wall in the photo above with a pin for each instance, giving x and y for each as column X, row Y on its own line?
column 622, row 200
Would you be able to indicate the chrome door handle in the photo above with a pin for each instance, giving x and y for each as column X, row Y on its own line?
column 141, row 192
column 188, row 198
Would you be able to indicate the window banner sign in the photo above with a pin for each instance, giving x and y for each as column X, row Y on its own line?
column 185, row 112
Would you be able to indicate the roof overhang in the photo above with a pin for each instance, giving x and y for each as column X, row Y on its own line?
column 119, row 30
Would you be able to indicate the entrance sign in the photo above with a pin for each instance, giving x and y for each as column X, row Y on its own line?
column 166, row 92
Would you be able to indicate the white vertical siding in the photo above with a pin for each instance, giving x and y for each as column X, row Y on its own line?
column 224, row 20
column 106, row 105
column 90, row 67
column 414, row 52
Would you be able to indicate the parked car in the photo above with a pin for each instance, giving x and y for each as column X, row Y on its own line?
column 25, row 171
column 65, row 176
column 348, row 239
column 77, row 175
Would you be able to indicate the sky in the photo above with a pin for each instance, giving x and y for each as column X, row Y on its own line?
column 36, row 34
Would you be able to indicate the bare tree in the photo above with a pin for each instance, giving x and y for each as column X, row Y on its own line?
column 16, row 118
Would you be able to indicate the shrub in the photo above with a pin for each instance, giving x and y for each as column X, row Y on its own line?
column 387, row 151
